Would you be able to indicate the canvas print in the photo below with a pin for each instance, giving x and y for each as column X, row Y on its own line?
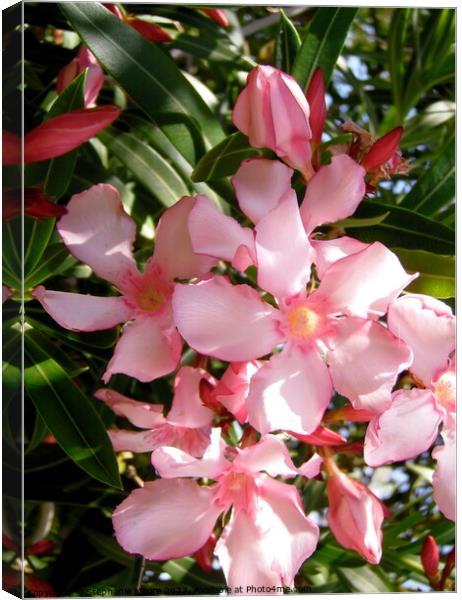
column 228, row 299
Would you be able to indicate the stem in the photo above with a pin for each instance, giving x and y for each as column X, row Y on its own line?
column 139, row 580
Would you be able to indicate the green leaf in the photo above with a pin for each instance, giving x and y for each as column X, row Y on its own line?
column 149, row 76
column 287, row 44
column 92, row 339
column 437, row 272
column 224, row 159
column 11, row 254
column 436, row 187
column 396, row 38
column 423, row 128
column 364, row 580
column 185, row 570
column 108, row 547
column 322, row 43
column 367, row 222
column 159, row 141
column 37, row 234
column 148, row 166
column 55, row 260
column 215, row 50
column 403, row 228
column 11, row 359
column 67, row 412
column 39, row 432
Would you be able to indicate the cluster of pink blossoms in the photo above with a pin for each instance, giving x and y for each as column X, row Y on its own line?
column 324, row 316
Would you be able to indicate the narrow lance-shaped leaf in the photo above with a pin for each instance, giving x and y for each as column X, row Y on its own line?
column 323, row 43
column 403, row 228
column 67, row 412
column 436, row 187
column 147, row 165
column 224, row 159
column 287, row 44
column 149, row 76
column 396, row 39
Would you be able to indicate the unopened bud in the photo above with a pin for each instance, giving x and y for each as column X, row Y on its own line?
column 383, row 149
column 430, row 556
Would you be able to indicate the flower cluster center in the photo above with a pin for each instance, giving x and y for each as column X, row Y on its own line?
column 149, row 299
column 445, row 391
column 303, row 322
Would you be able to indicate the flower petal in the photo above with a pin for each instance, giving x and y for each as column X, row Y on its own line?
column 227, row 321
column 291, row 392
column 428, row 327
column 312, row 467
column 270, row 454
column 82, row 312
column 355, row 516
column 173, row 250
column 131, row 441
column 172, row 462
column 233, row 388
column 214, row 234
column 329, row 251
column 260, row 184
column 98, row 232
column 187, row 407
column 268, row 548
column 366, row 382
column 363, row 284
column 444, row 478
column 145, row 351
column 406, row 429
column 333, row 193
column 284, row 254
column 141, row 414
column 166, row 519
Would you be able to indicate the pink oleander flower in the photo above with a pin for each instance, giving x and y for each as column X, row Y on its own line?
column 267, row 537
column 338, row 321
column 187, row 425
column 355, row 514
column 411, row 424
column 95, row 76
column 98, row 232
column 274, row 113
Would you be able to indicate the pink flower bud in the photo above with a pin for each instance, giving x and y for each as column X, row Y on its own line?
column 274, row 113
column 355, row 515
column 204, row 555
column 217, row 15
column 67, row 74
column 150, row 31
column 114, row 9
column 62, row 134
column 430, row 556
column 321, row 436
column 95, row 76
column 383, row 149
column 317, row 101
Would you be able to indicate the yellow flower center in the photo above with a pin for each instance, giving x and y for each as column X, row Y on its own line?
column 150, row 299
column 303, row 322
column 445, row 391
